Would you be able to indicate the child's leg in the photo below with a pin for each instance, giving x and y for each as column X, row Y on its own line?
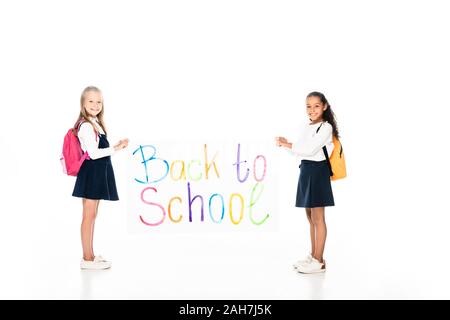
column 93, row 228
column 318, row 219
column 87, row 228
column 312, row 232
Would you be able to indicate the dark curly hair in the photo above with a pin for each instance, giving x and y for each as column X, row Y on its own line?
column 328, row 114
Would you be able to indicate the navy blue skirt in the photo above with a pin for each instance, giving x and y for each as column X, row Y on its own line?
column 314, row 185
column 95, row 180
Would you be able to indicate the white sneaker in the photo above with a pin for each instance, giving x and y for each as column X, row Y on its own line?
column 313, row 267
column 304, row 261
column 98, row 263
column 100, row 258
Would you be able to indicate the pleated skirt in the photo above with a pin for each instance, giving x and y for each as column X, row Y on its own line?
column 314, row 185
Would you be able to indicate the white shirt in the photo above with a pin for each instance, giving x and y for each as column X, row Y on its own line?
column 89, row 142
column 309, row 144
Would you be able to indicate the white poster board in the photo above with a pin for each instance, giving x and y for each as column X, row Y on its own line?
column 195, row 187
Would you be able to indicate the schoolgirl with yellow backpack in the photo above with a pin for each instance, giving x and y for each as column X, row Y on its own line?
column 322, row 160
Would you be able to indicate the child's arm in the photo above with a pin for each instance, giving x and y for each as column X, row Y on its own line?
column 121, row 144
column 309, row 147
column 282, row 142
column 89, row 142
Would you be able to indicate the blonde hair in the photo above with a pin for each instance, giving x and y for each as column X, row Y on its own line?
column 84, row 116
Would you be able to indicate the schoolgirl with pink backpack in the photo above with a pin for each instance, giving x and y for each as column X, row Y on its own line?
column 87, row 154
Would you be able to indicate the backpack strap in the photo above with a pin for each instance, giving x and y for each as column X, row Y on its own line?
column 328, row 160
column 324, row 148
column 319, row 127
column 79, row 126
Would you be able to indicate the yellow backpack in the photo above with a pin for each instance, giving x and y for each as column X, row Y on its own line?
column 336, row 163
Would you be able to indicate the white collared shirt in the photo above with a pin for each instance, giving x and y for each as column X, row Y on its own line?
column 89, row 142
column 309, row 144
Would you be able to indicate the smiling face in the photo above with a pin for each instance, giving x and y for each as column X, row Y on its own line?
column 93, row 103
column 315, row 109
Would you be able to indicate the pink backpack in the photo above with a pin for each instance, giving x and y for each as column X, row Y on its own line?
column 72, row 155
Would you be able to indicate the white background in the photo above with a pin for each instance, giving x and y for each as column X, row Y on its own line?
column 189, row 70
